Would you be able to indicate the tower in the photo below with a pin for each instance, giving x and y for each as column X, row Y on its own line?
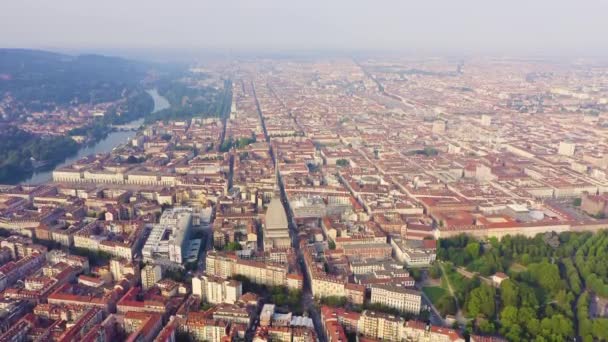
column 276, row 227
column 277, row 189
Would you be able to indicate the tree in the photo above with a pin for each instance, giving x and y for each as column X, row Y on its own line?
column 435, row 271
column 600, row 328
column 242, row 142
column 429, row 151
column 473, row 249
column 226, row 145
column 232, row 246
column 481, row 301
column 527, row 296
column 546, row 275
column 183, row 336
column 342, row 162
column 331, row 244
column 513, row 333
column 415, row 273
column 175, row 274
column 446, row 305
column 508, row 316
column 133, row 160
column 509, row 293
column 487, row 327
column 557, row 327
column 335, row 301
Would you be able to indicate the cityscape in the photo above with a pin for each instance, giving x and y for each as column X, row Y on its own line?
column 296, row 197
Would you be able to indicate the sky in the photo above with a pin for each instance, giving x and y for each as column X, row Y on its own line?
column 519, row 27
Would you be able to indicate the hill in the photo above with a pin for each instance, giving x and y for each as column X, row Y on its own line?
column 41, row 79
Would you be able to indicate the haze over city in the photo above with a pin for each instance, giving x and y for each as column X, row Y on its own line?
column 303, row 171
column 541, row 27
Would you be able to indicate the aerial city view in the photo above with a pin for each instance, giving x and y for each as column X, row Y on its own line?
column 275, row 171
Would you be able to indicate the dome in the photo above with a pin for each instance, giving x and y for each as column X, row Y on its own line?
column 276, row 218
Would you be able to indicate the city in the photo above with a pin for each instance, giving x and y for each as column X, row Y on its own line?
column 300, row 196
column 317, row 205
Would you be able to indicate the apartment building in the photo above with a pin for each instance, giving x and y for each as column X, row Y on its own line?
column 397, row 296
column 264, row 273
column 202, row 328
column 216, row 290
column 421, row 332
column 380, row 326
column 150, row 275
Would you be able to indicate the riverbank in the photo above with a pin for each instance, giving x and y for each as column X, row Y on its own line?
column 21, row 152
column 115, row 137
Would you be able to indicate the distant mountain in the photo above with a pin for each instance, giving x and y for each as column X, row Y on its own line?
column 40, row 78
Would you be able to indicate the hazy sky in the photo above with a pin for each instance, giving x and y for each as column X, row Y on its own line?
column 575, row 27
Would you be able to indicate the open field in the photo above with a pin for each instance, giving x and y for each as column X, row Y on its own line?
column 434, row 293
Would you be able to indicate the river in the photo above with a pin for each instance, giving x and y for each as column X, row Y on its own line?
column 105, row 145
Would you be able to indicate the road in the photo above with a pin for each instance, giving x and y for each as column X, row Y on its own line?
column 307, row 301
column 470, row 275
column 435, row 315
column 207, row 246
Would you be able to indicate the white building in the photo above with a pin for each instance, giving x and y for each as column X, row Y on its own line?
column 486, row 120
column 566, row 148
column 169, row 239
column 397, row 296
column 216, row 290
column 414, row 253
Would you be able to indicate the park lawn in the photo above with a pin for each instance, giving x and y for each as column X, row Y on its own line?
column 456, row 279
column 517, row 268
column 434, row 292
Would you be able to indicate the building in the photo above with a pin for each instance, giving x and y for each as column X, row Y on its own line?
column 170, row 238
column 486, row 120
column 421, row 332
column 276, row 229
column 121, row 239
column 16, row 270
column 325, row 285
column 566, row 148
column 397, row 296
column 596, row 205
column 226, row 265
column 498, row 278
column 414, row 252
column 276, row 226
column 142, row 326
column 266, row 314
column 355, row 293
column 216, row 290
column 380, row 326
column 202, row 328
column 150, row 275
column 120, row 269
column 438, row 126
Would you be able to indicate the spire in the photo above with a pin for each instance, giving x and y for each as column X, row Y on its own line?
column 276, row 170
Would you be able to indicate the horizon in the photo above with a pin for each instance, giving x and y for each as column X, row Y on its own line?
column 472, row 27
column 189, row 56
